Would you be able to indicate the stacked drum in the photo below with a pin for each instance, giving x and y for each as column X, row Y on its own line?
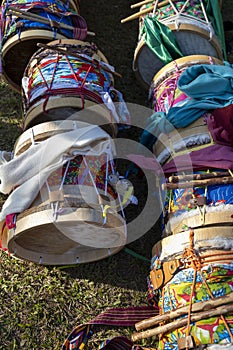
column 180, row 56
column 62, row 207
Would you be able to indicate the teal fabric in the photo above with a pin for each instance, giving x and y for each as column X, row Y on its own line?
column 161, row 40
column 208, row 86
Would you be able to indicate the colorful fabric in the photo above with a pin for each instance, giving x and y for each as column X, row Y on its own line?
column 77, row 174
column 160, row 39
column 192, row 9
column 212, row 281
column 181, row 200
column 208, row 87
column 83, row 77
column 56, row 73
column 215, row 157
column 112, row 317
column 53, row 11
column 215, row 17
column 166, row 94
column 177, row 293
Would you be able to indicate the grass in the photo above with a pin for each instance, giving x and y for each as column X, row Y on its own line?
column 40, row 305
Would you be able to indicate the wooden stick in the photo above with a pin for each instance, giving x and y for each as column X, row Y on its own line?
column 68, row 53
column 30, row 15
column 201, row 306
column 188, row 177
column 199, row 183
column 143, row 12
column 217, row 311
column 137, row 14
column 139, row 4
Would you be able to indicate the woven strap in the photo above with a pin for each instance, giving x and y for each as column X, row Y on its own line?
column 126, row 317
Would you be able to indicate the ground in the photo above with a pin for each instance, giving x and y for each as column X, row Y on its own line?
column 40, row 305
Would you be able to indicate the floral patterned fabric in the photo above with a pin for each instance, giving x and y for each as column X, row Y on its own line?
column 179, row 200
column 77, row 174
column 53, row 10
column 192, row 9
column 177, row 293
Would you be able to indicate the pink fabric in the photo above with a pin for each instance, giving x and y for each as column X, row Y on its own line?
column 216, row 156
column 10, row 223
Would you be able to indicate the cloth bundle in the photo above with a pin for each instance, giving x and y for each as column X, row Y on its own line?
column 24, row 175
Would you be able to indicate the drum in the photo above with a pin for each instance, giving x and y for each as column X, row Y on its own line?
column 69, row 77
column 165, row 94
column 25, row 24
column 164, row 91
column 74, row 218
column 192, row 276
column 188, row 28
column 183, row 140
column 198, row 206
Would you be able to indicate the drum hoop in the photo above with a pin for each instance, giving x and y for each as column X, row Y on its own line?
column 77, row 42
column 181, row 63
column 198, row 127
column 26, row 35
column 70, row 257
column 45, row 129
column 193, row 221
column 201, row 235
column 137, row 52
column 57, row 259
column 173, row 150
column 75, row 102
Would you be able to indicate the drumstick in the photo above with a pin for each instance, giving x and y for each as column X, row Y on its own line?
column 31, row 15
column 200, row 306
column 68, row 53
column 199, row 183
column 137, row 14
column 217, row 311
column 143, row 12
column 188, row 177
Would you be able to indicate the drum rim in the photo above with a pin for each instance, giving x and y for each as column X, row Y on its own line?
column 12, row 243
column 211, row 218
column 76, row 102
column 186, row 132
column 201, row 234
column 76, row 42
column 182, row 62
column 26, row 35
column 39, row 129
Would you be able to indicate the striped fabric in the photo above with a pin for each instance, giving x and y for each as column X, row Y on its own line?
column 113, row 317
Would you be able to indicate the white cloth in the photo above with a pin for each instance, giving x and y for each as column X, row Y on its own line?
column 29, row 171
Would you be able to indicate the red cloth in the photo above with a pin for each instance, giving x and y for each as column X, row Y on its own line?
column 220, row 124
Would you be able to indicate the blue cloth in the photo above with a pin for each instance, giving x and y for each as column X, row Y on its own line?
column 208, row 86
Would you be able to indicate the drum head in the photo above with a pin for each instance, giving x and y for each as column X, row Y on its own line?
column 81, row 239
column 192, row 40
